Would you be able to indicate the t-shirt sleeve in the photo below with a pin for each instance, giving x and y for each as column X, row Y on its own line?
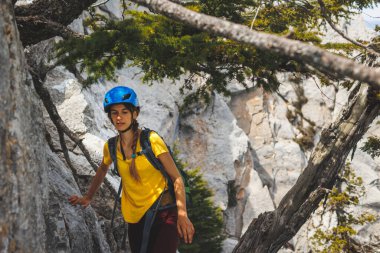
column 106, row 155
column 158, row 145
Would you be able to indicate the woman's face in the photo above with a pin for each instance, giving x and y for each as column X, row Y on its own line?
column 121, row 116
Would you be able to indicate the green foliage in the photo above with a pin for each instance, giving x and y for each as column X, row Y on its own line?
column 231, row 10
column 338, row 238
column 165, row 49
column 372, row 146
column 345, row 47
column 206, row 218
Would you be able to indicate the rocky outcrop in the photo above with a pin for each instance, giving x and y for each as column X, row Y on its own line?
column 34, row 213
column 250, row 148
column 211, row 140
column 68, row 228
column 275, row 123
column 23, row 162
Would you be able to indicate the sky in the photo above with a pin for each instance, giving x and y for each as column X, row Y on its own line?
column 371, row 21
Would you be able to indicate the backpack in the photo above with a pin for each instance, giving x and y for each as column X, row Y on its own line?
column 146, row 150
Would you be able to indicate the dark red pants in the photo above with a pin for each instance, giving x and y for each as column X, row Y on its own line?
column 163, row 234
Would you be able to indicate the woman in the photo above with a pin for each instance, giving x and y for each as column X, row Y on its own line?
column 142, row 184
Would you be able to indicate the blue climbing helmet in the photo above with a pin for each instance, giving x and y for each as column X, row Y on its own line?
column 118, row 95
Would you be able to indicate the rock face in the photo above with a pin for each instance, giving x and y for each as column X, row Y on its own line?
column 210, row 139
column 250, row 148
column 68, row 228
column 23, row 163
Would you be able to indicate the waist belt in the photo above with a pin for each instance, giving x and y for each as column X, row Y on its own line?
column 167, row 199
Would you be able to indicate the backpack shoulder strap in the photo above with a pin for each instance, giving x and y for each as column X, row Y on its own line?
column 147, row 150
column 112, row 147
column 112, row 142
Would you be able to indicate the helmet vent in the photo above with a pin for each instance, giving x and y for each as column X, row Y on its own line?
column 106, row 100
column 126, row 96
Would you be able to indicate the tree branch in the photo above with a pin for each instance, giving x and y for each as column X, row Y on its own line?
column 43, row 19
column 341, row 33
column 301, row 215
column 101, row 3
column 320, row 59
column 34, row 29
column 59, row 11
column 370, row 15
column 38, row 74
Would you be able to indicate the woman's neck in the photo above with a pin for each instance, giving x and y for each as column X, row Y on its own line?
column 127, row 138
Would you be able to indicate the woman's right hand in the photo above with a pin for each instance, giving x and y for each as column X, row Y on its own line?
column 83, row 201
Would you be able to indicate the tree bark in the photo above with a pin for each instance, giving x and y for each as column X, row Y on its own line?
column 320, row 59
column 271, row 230
column 23, row 161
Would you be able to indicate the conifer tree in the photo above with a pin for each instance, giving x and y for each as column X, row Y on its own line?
column 372, row 146
column 164, row 48
column 206, row 218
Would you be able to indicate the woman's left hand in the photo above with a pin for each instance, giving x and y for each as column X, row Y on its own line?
column 185, row 228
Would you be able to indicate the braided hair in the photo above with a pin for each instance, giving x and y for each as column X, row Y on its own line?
column 132, row 167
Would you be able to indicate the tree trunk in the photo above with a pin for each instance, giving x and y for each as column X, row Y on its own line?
column 271, row 230
column 22, row 156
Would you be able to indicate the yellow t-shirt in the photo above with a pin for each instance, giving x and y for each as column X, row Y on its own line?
column 137, row 197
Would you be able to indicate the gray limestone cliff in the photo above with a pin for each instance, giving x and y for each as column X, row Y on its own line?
column 250, row 148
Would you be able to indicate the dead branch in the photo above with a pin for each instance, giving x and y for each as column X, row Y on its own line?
column 341, row 33
column 38, row 75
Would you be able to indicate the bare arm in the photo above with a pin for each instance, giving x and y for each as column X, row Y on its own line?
column 184, row 225
column 97, row 180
